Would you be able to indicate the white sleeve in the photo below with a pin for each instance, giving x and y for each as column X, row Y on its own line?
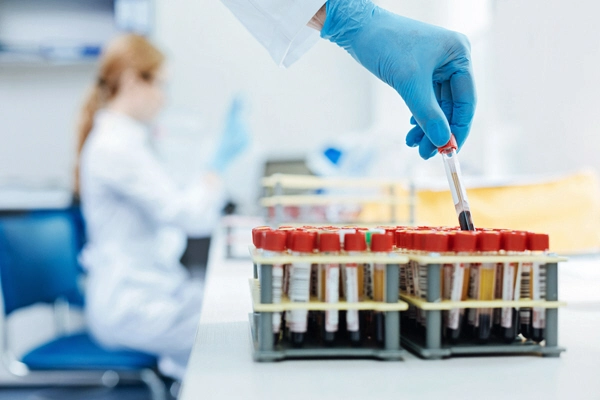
column 279, row 25
column 139, row 177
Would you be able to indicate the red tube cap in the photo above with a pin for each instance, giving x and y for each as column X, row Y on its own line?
column 274, row 240
column 414, row 240
column 303, row 242
column 355, row 242
column 388, row 229
column 382, row 242
column 538, row 241
column 288, row 230
column 488, row 241
column 401, row 237
column 451, row 145
column 329, row 242
column 514, row 241
column 258, row 234
column 435, row 242
column 463, row 241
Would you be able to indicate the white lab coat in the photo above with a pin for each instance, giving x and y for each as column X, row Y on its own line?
column 138, row 295
column 279, row 25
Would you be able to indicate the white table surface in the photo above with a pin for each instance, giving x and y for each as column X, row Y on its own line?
column 221, row 364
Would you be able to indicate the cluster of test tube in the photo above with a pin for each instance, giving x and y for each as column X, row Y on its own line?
column 330, row 282
column 464, row 280
column 355, row 282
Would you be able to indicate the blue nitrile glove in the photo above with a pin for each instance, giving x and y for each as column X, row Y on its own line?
column 234, row 138
column 430, row 67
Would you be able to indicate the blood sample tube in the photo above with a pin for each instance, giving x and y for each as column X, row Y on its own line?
column 431, row 242
column 538, row 243
column 512, row 242
column 401, row 240
column 329, row 279
column 459, row 193
column 382, row 244
column 273, row 244
column 303, row 244
column 484, row 280
column 257, row 240
column 354, row 244
column 419, row 274
column 412, row 279
column 456, row 280
column 525, row 292
column 288, row 230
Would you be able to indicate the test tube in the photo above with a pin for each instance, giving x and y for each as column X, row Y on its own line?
column 419, row 277
column 354, row 244
column 456, row 281
column 525, row 292
column 512, row 242
column 273, row 244
column 257, row 239
column 382, row 244
column 303, row 244
column 431, row 242
column 370, row 273
column 329, row 278
column 288, row 230
column 538, row 243
column 403, row 246
column 488, row 243
column 459, row 193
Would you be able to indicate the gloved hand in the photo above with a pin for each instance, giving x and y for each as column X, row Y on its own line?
column 430, row 67
column 235, row 137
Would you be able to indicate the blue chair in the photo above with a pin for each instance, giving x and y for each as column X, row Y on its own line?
column 38, row 264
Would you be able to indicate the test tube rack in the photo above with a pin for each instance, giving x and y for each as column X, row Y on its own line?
column 265, row 349
column 430, row 344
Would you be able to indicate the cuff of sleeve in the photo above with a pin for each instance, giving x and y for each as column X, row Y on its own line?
column 283, row 32
column 296, row 37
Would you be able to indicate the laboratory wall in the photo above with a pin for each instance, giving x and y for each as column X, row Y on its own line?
column 213, row 58
column 544, row 66
column 38, row 109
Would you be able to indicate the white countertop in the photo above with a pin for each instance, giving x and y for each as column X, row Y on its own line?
column 221, row 364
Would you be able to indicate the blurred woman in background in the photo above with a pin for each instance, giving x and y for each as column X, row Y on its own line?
column 139, row 296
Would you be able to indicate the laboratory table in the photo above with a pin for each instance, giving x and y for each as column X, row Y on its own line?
column 221, row 364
